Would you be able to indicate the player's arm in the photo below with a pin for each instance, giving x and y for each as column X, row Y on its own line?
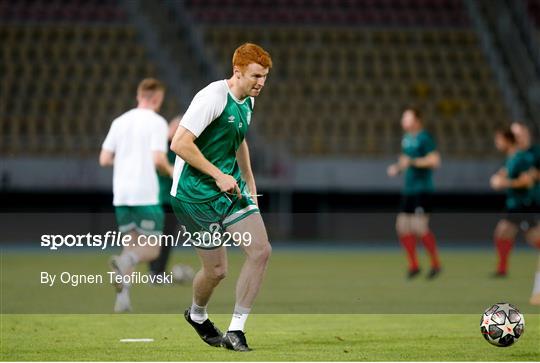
column 431, row 161
column 162, row 163
column 401, row 165
column 535, row 174
column 106, row 158
column 244, row 162
column 183, row 144
column 525, row 180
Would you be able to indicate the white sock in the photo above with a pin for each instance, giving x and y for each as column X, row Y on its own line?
column 536, row 288
column 239, row 318
column 124, row 292
column 198, row 313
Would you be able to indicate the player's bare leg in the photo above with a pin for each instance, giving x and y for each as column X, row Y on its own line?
column 533, row 238
column 133, row 254
column 257, row 255
column 407, row 238
column 257, row 251
column 420, row 226
column 125, row 265
column 504, row 236
column 213, row 270
column 535, row 296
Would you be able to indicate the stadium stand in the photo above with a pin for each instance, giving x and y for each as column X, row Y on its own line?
column 343, row 92
column 69, row 68
column 337, row 88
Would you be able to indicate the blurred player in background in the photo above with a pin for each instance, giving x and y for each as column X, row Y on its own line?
column 524, row 142
column 136, row 147
column 181, row 273
column 418, row 159
column 516, row 177
column 214, row 189
column 523, row 137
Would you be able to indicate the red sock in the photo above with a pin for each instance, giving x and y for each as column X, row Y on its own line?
column 504, row 246
column 431, row 246
column 408, row 241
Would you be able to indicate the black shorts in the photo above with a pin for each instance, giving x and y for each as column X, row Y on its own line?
column 524, row 217
column 416, row 203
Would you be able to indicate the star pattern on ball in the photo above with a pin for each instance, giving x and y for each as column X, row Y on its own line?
column 507, row 328
column 486, row 322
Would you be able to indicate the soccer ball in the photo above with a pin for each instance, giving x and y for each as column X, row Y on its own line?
column 182, row 274
column 502, row 324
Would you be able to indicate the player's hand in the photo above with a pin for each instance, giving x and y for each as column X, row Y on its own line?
column 392, row 170
column 227, row 184
column 498, row 182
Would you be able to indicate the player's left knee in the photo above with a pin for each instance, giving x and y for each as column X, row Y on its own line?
column 506, row 229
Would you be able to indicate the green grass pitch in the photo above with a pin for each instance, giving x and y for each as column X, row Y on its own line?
column 316, row 305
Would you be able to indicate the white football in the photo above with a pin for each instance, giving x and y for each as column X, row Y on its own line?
column 502, row 324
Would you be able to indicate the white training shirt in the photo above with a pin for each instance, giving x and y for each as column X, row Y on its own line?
column 133, row 137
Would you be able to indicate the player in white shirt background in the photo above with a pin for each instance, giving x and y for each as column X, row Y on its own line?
column 136, row 147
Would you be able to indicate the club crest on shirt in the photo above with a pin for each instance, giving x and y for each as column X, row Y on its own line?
column 248, row 116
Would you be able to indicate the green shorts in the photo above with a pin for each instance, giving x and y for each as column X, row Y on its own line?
column 145, row 219
column 211, row 216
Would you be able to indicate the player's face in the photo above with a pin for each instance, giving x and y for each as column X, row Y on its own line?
column 252, row 79
column 500, row 142
column 521, row 133
column 157, row 100
column 408, row 121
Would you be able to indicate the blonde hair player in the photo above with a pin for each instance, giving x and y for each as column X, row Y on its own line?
column 215, row 192
column 136, row 147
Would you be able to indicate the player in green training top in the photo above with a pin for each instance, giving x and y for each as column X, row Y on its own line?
column 517, row 179
column 418, row 159
column 524, row 140
column 215, row 196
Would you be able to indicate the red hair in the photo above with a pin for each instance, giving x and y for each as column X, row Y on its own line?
column 249, row 53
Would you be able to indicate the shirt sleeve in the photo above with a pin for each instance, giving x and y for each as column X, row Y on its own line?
column 158, row 141
column 110, row 141
column 519, row 165
column 205, row 108
column 527, row 162
column 429, row 144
